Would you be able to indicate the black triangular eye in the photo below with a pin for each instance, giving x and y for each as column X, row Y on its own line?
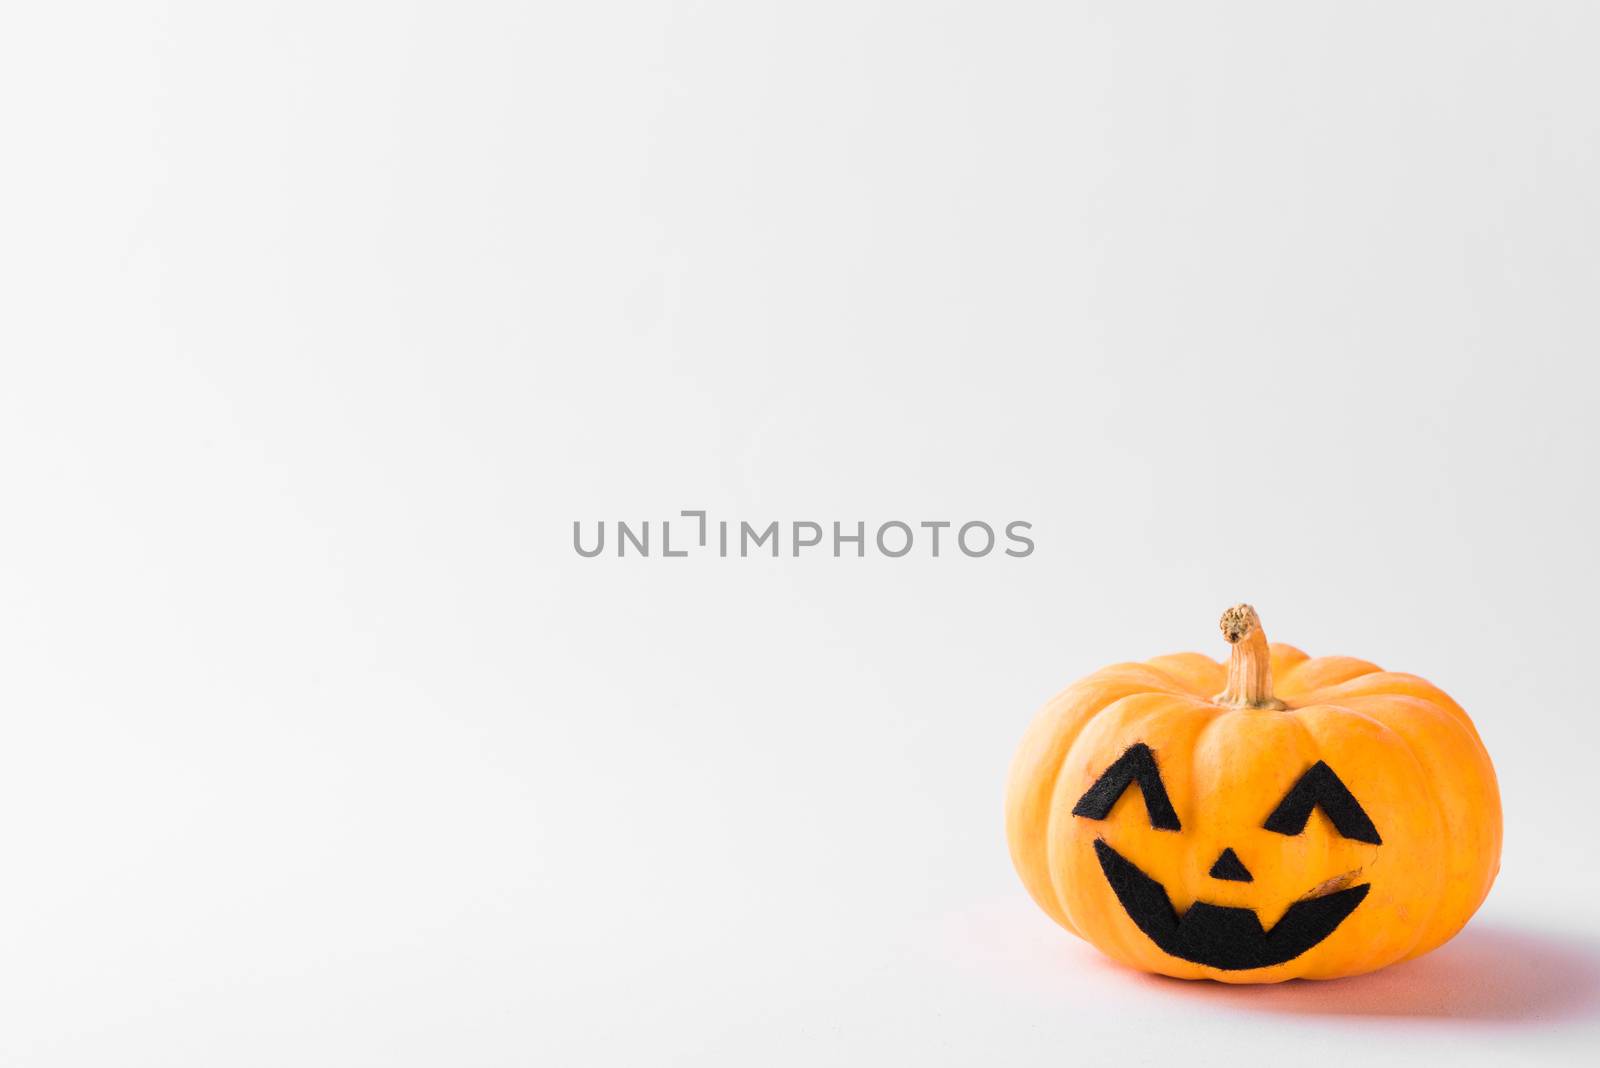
column 1320, row 786
column 1137, row 763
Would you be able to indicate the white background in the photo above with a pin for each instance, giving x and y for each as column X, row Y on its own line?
column 323, row 322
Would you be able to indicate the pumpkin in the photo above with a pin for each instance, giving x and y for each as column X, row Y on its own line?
column 1279, row 817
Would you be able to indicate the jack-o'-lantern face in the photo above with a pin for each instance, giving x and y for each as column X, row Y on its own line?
column 1294, row 817
column 1229, row 937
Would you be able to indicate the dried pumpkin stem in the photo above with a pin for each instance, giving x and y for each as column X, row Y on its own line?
column 1250, row 665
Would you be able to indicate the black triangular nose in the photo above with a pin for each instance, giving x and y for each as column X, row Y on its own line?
column 1229, row 866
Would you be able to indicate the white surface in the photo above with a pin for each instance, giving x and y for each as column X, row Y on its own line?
column 325, row 321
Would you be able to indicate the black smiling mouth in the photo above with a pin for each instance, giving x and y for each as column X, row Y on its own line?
column 1218, row 936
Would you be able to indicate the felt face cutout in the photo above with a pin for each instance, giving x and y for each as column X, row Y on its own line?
column 1228, row 937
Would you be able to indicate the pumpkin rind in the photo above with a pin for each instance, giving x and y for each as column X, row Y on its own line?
column 1404, row 748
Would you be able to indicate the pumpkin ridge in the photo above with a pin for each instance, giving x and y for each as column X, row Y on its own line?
column 1284, row 658
column 1062, row 802
column 1289, row 686
column 1425, row 928
column 1429, row 693
column 1196, row 745
column 1432, row 794
column 1033, row 777
column 1166, row 663
column 1442, row 775
column 1308, row 739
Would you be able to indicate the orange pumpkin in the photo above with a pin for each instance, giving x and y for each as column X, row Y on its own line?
column 1278, row 817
